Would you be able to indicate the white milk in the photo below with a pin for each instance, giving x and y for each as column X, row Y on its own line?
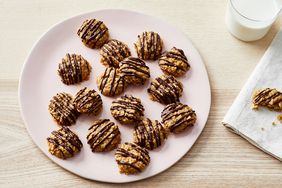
column 250, row 20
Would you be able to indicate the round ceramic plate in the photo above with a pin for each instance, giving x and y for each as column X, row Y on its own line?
column 39, row 82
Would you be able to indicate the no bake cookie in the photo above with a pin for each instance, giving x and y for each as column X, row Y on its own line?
column 74, row 69
column 103, row 136
column 149, row 45
column 88, row 101
column 270, row 98
column 111, row 83
column 93, row 33
column 63, row 143
column 131, row 158
column 62, row 109
column 174, row 62
column 149, row 134
column 134, row 70
column 127, row 109
column 177, row 117
column 113, row 53
column 165, row 89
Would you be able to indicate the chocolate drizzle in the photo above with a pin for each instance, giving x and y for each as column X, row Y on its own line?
column 132, row 158
column 177, row 117
column 134, row 70
column 149, row 45
column 103, row 135
column 93, row 33
column 165, row 89
column 62, row 109
column 174, row 62
column 88, row 101
column 110, row 83
column 113, row 52
column 63, row 143
column 149, row 134
column 127, row 109
column 73, row 69
column 270, row 98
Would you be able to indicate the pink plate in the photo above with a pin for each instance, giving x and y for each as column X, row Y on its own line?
column 39, row 82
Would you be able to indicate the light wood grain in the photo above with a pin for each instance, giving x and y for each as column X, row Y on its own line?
column 218, row 159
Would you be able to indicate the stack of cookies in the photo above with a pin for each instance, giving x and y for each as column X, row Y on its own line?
column 121, row 70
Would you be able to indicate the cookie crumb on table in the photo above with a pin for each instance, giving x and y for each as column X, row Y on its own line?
column 279, row 117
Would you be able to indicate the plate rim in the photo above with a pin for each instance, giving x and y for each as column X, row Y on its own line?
column 97, row 11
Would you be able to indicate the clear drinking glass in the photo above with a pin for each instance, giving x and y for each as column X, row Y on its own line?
column 250, row 20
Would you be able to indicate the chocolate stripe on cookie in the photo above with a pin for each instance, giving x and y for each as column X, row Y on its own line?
column 114, row 52
column 93, row 33
column 88, row 101
column 103, row 135
column 165, row 89
column 127, row 109
column 149, row 134
column 174, row 62
column 134, row 70
column 270, row 98
column 149, row 46
column 176, row 117
column 64, row 143
column 73, row 69
column 62, row 109
column 131, row 158
column 143, row 153
column 110, row 83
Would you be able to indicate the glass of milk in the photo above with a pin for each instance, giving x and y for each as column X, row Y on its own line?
column 250, row 20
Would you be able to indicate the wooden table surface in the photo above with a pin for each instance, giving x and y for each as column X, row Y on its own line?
column 218, row 158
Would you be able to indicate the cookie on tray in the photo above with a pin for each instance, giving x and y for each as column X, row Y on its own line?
column 103, row 136
column 149, row 45
column 111, row 83
column 174, row 62
column 74, row 69
column 62, row 109
column 270, row 98
column 177, row 117
column 93, row 33
column 127, row 109
column 131, row 158
column 149, row 134
column 63, row 143
column 165, row 89
column 88, row 101
column 134, row 70
column 113, row 52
